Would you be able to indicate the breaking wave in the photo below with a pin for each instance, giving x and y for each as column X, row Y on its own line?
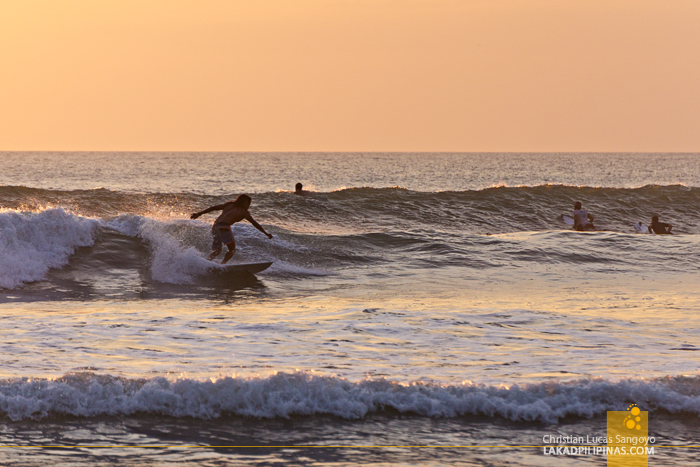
column 42, row 230
column 33, row 243
column 300, row 393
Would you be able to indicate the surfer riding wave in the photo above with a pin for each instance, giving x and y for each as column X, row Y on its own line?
column 233, row 211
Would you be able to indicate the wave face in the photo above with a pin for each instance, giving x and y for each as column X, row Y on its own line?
column 493, row 210
column 128, row 247
column 505, row 209
column 133, row 240
column 290, row 394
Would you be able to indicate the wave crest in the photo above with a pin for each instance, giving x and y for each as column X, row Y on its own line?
column 33, row 243
column 301, row 393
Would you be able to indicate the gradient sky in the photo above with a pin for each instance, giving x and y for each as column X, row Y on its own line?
column 350, row 75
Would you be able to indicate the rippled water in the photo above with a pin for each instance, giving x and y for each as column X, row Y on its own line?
column 425, row 298
column 225, row 173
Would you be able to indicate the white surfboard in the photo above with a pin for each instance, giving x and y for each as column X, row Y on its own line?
column 570, row 221
column 641, row 227
column 252, row 268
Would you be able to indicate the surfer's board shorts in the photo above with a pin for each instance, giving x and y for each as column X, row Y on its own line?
column 221, row 235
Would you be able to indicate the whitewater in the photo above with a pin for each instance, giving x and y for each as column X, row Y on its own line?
column 414, row 299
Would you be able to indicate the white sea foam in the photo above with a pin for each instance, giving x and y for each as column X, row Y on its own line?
column 172, row 262
column 174, row 259
column 287, row 394
column 32, row 243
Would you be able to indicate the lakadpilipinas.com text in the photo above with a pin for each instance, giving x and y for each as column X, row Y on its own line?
column 598, row 445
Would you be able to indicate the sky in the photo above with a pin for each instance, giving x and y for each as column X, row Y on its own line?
column 350, row 75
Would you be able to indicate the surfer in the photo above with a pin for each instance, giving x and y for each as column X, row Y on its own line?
column 583, row 221
column 660, row 228
column 298, row 190
column 233, row 211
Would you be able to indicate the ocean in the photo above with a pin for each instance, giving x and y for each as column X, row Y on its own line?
column 421, row 309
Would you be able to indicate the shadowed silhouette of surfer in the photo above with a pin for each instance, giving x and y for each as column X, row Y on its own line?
column 299, row 191
column 659, row 228
column 233, row 211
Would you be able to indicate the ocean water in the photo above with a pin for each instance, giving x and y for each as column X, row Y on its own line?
column 421, row 309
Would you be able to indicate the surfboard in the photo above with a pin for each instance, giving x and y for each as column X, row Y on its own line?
column 641, row 227
column 570, row 221
column 252, row 268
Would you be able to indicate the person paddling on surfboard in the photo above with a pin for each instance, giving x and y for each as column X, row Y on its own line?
column 660, row 228
column 583, row 221
column 233, row 211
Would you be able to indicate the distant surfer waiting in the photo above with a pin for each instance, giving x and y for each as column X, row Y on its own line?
column 583, row 221
column 660, row 228
column 299, row 191
column 233, row 211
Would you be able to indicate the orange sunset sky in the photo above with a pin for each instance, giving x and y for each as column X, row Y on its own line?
column 350, row 75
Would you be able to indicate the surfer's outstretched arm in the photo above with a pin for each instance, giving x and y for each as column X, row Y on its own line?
column 218, row 207
column 256, row 225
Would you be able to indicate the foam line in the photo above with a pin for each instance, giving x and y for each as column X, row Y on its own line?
column 288, row 394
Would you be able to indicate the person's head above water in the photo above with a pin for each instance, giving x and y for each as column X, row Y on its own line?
column 243, row 201
column 298, row 187
column 577, row 205
column 655, row 220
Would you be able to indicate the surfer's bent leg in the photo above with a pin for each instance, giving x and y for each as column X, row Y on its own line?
column 214, row 254
column 231, row 251
column 224, row 236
